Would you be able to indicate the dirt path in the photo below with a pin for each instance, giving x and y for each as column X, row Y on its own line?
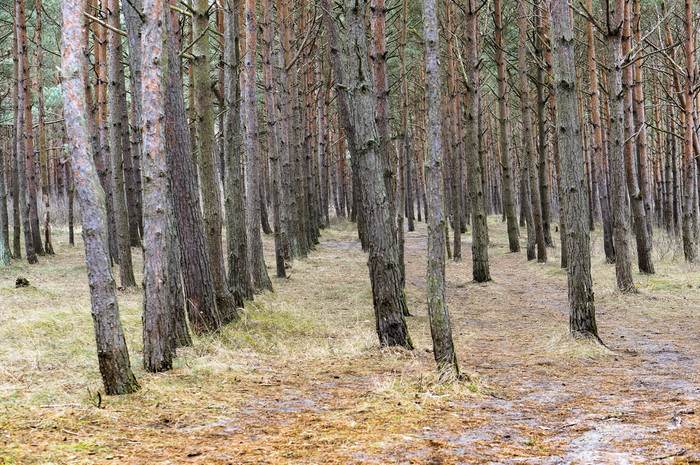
column 539, row 397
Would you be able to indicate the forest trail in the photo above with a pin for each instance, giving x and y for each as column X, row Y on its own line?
column 301, row 380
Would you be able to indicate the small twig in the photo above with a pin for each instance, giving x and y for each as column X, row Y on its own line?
column 58, row 405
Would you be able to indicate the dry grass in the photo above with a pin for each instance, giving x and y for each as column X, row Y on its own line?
column 300, row 378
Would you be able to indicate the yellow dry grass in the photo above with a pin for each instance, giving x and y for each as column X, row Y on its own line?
column 301, row 379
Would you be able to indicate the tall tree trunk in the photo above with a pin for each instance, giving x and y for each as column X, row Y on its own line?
column 132, row 20
column 4, row 218
column 112, row 353
column 641, row 230
column 272, row 133
column 200, row 293
column 209, row 177
column 542, row 148
column 581, row 306
column 41, row 128
column 261, row 280
column 614, row 15
column 597, row 147
column 480, row 241
column 158, row 330
column 526, row 134
column 15, row 160
column 27, row 154
column 443, row 348
column 234, row 199
column 116, row 73
column 689, row 239
column 356, row 108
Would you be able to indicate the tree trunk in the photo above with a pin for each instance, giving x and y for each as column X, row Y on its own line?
column 581, row 306
column 234, row 199
column 112, row 353
column 27, row 154
column 504, row 130
column 526, row 134
column 132, row 167
column 440, row 330
column 613, row 14
column 158, row 330
column 226, row 300
column 261, row 280
column 4, row 218
column 641, row 230
column 116, row 109
column 689, row 239
column 43, row 161
column 356, row 108
column 597, row 147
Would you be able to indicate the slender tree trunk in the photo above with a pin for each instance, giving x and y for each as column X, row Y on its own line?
column 4, row 218
column 112, row 353
column 356, row 108
column 200, row 292
column 641, row 229
column 15, row 160
column 689, row 239
column 272, row 133
column 43, row 162
column 158, row 330
column 24, row 83
column 261, row 280
column 234, row 199
column 542, row 148
column 480, row 241
column 526, row 135
column 581, row 306
column 209, row 177
column 504, row 130
column 440, row 330
column 132, row 21
column 613, row 14
column 116, row 72
column 597, row 147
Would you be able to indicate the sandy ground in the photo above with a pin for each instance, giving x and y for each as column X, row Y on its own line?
column 301, row 378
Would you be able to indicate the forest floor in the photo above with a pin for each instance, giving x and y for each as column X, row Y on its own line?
column 301, row 378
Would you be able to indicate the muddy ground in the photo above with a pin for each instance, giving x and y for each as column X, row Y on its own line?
column 301, row 378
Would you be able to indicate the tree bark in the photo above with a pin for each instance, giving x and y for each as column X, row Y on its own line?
column 258, row 270
column 582, row 322
column 239, row 277
column 112, row 353
column 443, row 348
column 480, row 241
column 613, row 14
column 504, row 130
column 356, row 108
column 121, row 216
column 200, row 293
column 526, row 135
column 209, row 177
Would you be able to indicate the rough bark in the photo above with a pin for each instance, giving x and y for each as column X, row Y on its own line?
column 356, row 105
column 200, row 293
column 613, row 14
column 41, row 129
column 504, row 130
column 526, row 134
column 4, row 218
column 121, row 216
column 258, row 270
column 689, row 218
column 27, row 153
column 209, row 177
column 597, row 147
column 443, row 348
column 112, row 353
column 480, row 241
column 568, row 127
